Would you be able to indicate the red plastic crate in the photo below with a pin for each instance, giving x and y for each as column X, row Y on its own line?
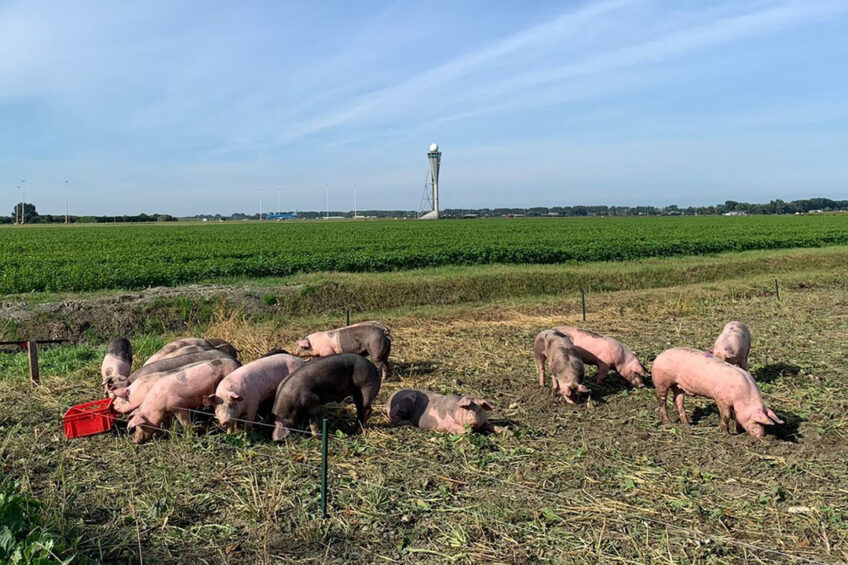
column 89, row 418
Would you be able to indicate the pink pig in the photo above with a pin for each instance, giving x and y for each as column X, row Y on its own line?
column 365, row 338
column 117, row 363
column 733, row 344
column 451, row 413
column 130, row 397
column 242, row 391
column 175, row 394
column 689, row 371
column 566, row 366
column 606, row 353
column 187, row 345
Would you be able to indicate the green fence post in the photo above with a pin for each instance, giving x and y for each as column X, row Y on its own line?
column 583, row 302
column 324, row 468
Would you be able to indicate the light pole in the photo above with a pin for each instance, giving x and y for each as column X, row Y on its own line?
column 354, row 202
column 66, row 202
column 18, row 206
column 260, row 204
column 327, row 188
column 23, row 199
column 278, row 200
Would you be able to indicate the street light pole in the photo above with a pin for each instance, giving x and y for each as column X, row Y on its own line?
column 23, row 200
column 18, row 206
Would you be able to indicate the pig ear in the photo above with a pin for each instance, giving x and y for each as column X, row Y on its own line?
column 234, row 396
column 484, row 404
column 773, row 417
column 760, row 417
column 209, row 400
column 304, row 344
column 465, row 402
column 133, row 422
column 121, row 393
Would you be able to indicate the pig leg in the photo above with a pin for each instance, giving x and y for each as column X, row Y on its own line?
column 385, row 370
column 183, row 417
column 313, row 422
column 250, row 415
column 736, row 427
column 540, row 366
column 362, row 412
column 662, row 398
column 603, row 369
column 724, row 413
column 679, row 395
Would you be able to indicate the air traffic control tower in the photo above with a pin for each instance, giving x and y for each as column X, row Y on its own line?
column 434, row 159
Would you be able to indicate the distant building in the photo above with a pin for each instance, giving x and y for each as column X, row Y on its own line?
column 735, row 213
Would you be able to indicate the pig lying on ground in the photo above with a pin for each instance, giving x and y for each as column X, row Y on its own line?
column 117, row 364
column 566, row 366
column 329, row 379
column 606, row 353
column 733, row 344
column 173, row 395
column 198, row 342
column 429, row 410
column 364, row 338
column 689, row 371
column 239, row 395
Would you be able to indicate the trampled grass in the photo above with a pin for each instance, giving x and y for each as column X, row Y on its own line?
column 600, row 482
column 130, row 257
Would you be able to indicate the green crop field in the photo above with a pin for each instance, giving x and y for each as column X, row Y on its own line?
column 83, row 258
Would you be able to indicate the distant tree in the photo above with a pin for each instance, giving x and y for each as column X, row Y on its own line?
column 30, row 213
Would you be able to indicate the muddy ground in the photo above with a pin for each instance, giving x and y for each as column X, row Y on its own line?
column 602, row 481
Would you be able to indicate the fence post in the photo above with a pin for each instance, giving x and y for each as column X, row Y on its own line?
column 583, row 302
column 324, row 468
column 347, row 315
column 32, row 355
column 777, row 288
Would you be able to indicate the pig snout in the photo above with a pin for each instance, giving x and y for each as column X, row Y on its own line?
column 281, row 430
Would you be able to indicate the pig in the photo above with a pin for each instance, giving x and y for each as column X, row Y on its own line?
column 239, row 395
column 203, row 343
column 733, row 344
column 117, row 364
column 130, row 397
column 329, row 379
column 566, row 366
column 689, row 371
column 174, row 363
column 365, row 338
column 606, row 353
column 451, row 413
column 173, row 395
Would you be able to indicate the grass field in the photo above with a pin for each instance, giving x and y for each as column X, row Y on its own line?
column 601, row 482
column 87, row 258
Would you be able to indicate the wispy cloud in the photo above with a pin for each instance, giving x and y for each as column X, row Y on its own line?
column 447, row 89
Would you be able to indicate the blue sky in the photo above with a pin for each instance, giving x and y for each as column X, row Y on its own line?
column 192, row 107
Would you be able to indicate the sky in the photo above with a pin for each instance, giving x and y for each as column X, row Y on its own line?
column 206, row 107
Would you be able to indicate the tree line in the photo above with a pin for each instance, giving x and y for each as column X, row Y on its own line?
column 31, row 215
